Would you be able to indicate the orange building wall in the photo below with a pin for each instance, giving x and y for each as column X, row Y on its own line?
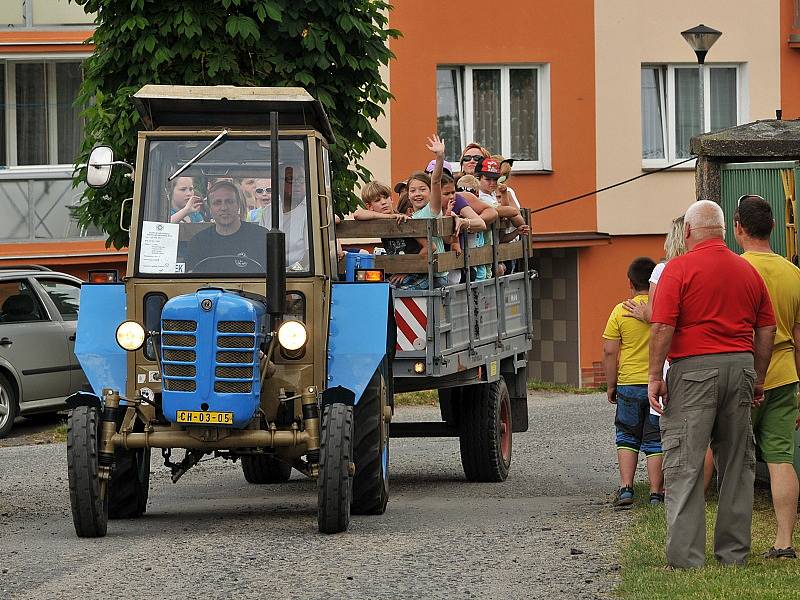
column 603, row 283
column 541, row 32
column 790, row 64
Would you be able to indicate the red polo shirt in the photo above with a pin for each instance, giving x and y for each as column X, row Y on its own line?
column 714, row 299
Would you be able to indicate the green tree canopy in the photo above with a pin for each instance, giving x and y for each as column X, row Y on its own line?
column 333, row 48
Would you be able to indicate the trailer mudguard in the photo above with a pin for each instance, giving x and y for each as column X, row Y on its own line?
column 358, row 335
column 102, row 360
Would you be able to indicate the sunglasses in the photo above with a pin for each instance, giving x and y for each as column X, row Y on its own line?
column 739, row 201
column 465, row 189
column 471, row 157
column 263, row 190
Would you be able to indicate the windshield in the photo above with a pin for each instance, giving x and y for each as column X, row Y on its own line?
column 211, row 219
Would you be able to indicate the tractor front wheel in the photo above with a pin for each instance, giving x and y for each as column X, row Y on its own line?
column 335, row 481
column 87, row 493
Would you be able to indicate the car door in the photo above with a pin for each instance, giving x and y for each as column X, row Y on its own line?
column 65, row 294
column 33, row 344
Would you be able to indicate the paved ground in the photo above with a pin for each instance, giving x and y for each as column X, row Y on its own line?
column 546, row 532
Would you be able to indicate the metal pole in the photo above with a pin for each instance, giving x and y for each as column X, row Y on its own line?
column 702, row 99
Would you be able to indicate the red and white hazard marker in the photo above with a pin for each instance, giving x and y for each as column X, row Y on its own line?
column 411, row 317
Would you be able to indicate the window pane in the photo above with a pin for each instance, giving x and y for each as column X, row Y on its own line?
column 524, row 114
column 652, row 113
column 3, row 155
column 18, row 303
column 65, row 296
column 14, row 223
column 70, row 123
column 447, row 111
column 723, row 97
column 31, row 108
column 486, row 108
column 687, row 113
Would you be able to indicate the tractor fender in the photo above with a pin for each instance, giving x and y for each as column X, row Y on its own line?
column 358, row 337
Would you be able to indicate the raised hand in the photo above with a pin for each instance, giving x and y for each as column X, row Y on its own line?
column 436, row 145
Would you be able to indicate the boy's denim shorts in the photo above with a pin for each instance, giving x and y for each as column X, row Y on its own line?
column 637, row 429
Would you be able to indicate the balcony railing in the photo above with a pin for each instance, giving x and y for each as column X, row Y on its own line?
column 35, row 206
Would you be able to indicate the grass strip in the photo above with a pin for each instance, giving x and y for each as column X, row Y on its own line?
column 546, row 386
column 643, row 559
column 424, row 398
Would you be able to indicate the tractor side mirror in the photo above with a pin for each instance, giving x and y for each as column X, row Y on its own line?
column 98, row 171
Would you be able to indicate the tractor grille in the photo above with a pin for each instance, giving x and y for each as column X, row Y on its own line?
column 174, row 325
column 180, row 355
column 235, row 357
column 234, row 372
column 179, row 385
column 230, row 341
column 233, row 387
column 173, row 370
column 178, row 365
column 174, row 339
column 235, row 379
column 236, row 327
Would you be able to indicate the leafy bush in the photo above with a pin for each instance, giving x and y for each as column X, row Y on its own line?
column 333, row 48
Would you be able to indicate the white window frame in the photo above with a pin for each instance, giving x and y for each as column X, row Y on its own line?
column 465, row 105
column 11, row 167
column 668, row 106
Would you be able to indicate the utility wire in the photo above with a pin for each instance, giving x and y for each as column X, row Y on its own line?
column 608, row 187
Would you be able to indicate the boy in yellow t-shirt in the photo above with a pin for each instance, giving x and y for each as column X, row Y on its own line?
column 774, row 421
column 626, row 361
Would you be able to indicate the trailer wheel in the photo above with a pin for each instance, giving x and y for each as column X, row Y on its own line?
column 87, row 494
column 486, row 431
column 335, row 480
column 263, row 468
column 129, row 486
column 371, row 450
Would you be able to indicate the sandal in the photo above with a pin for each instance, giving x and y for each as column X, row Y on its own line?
column 656, row 498
column 780, row 553
column 624, row 497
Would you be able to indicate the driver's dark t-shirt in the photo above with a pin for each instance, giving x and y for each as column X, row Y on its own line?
column 230, row 252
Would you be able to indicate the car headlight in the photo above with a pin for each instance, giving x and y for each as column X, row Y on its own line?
column 292, row 335
column 130, row 335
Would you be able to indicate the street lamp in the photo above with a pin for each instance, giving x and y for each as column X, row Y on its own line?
column 701, row 38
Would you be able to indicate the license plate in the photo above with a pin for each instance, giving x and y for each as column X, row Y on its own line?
column 205, row 417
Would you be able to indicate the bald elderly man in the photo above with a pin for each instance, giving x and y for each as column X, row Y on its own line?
column 713, row 320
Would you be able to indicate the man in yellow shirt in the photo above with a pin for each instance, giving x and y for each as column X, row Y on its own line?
column 774, row 422
column 626, row 361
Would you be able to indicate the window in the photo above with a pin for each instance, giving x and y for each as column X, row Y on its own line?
column 66, row 297
column 18, row 303
column 671, row 107
column 39, row 124
column 504, row 108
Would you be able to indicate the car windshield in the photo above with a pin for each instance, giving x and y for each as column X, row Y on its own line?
column 211, row 219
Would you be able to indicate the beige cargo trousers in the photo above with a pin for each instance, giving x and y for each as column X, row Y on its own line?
column 710, row 397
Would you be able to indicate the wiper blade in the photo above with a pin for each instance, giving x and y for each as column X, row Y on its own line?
column 211, row 145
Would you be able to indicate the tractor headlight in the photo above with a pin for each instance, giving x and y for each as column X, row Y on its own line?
column 130, row 335
column 292, row 335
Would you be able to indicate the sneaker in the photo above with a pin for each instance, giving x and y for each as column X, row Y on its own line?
column 624, row 497
column 780, row 553
column 656, row 498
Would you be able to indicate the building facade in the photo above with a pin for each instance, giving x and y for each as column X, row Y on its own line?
column 42, row 46
column 583, row 99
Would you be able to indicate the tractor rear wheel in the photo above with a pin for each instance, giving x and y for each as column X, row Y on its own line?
column 87, row 494
column 129, row 486
column 371, row 449
column 263, row 468
column 335, row 480
column 485, row 431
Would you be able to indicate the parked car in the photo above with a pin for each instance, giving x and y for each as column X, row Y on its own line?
column 38, row 318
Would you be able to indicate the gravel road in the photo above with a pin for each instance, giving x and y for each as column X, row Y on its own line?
column 547, row 532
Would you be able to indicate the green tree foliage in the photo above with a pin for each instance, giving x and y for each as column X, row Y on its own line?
column 333, row 48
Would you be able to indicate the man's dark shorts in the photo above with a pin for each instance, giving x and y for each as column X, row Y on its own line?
column 637, row 429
